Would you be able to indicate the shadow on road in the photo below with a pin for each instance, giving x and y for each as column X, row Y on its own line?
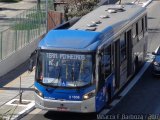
column 14, row 74
column 69, row 116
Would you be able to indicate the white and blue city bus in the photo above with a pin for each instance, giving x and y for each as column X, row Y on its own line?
column 82, row 64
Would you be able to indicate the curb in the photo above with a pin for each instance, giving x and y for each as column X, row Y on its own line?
column 21, row 114
column 147, row 3
column 27, row 109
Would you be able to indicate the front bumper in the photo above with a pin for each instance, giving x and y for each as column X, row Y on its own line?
column 86, row 106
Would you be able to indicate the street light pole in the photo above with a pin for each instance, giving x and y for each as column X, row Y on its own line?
column 46, row 16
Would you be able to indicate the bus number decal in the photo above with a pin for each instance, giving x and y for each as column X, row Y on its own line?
column 74, row 97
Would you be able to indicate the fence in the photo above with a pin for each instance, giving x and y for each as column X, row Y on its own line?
column 26, row 27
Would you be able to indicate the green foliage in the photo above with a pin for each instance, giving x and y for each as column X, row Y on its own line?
column 10, row 0
column 32, row 21
column 78, row 14
column 25, row 26
column 79, row 7
column 36, row 15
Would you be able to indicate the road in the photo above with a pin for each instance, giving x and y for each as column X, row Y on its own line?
column 142, row 99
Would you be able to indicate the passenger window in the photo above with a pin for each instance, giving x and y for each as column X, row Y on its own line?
column 137, row 28
column 122, row 48
column 104, row 65
column 107, row 61
column 146, row 23
column 134, row 31
column 101, row 81
column 140, row 26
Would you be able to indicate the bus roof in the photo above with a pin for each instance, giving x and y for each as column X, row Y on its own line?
column 87, row 33
column 109, row 16
column 68, row 39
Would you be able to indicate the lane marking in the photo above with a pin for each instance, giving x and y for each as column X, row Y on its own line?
column 115, row 102
column 104, row 112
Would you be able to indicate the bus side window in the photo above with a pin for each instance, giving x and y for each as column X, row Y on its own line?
column 104, row 66
column 139, row 26
column 122, row 48
column 145, row 23
column 140, row 29
column 134, row 33
column 101, row 80
column 107, row 61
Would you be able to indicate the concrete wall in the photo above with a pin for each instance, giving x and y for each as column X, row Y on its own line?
column 17, row 58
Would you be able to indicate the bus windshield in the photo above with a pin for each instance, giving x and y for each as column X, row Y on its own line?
column 64, row 70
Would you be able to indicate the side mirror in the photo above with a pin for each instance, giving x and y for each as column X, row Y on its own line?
column 31, row 64
column 31, row 61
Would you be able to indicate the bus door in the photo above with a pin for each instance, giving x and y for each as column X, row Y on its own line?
column 116, row 47
column 129, row 53
column 105, row 77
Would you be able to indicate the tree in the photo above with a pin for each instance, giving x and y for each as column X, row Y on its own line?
column 76, row 8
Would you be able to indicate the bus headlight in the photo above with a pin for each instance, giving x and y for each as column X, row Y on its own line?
column 38, row 92
column 89, row 95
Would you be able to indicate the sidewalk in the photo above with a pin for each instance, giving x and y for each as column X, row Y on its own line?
column 10, row 108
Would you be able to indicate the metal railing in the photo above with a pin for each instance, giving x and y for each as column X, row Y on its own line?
column 25, row 27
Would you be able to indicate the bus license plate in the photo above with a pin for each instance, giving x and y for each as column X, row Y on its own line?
column 62, row 109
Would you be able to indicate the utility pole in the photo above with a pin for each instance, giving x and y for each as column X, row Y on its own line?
column 20, row 92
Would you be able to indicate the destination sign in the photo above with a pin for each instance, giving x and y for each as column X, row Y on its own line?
column 65, row 56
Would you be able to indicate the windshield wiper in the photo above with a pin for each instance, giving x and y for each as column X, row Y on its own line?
column 72, row 74
column 59, row 74
column 73, row 78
